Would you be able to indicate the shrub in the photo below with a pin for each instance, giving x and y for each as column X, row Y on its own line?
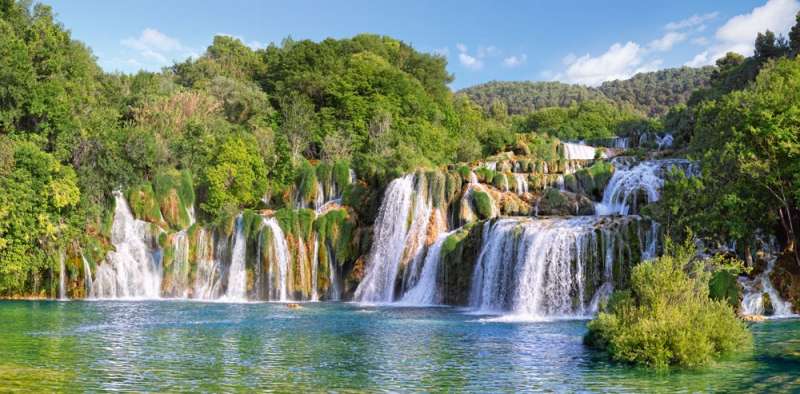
column 667, row 317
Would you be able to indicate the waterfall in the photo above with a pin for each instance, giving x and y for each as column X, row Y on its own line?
column 237, row 273
column 131, row 270
column 207, row 278
column 520, row 183
column 280, row 250
column 629, row 184
column 560, row 183
column 578, row 151
column 314, row 269
column 538, row 268
column 388, row 244
column 179, row 274
column 754, row 290
column 334, row 292
column 664, row 141
column 87, row 275
column 426, row 290
column 62, row 278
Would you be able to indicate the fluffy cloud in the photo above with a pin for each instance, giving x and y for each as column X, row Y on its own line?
column 739, row 33
column 618, row 62
column 691, row 22
column 467, row 60
column 154, row 49
column 669, row 40
column 515, row 60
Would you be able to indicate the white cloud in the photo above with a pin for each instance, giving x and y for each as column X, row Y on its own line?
column 467, row 60
column 618, row 62
column 443, row 51
column 738, row 34
column 701, row 40
column 154, row 49
column 470, row 62
column 666, row 42
column 488, row 51
column 692, row 21
column 701, row 59
column 515, row 60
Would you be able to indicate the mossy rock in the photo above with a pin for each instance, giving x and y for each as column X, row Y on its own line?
column 571, row 183
column 485, row 175
column 460, row 253
column 143, row 203
column 500, row 181
column 483, row 204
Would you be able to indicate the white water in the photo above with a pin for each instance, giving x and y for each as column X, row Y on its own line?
column 754, row 289
column 62, row 278
column 180, row 265
column 280, row 250
column 426, row 290
column 130, row 271
column 237, row 274
column 87, row 275
column 520, row 183
column 628, row 183
column 535, row 269
column 578, row 151
column 383, row 260
column 207, row 279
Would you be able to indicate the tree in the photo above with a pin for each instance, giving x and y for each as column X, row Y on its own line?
column 794, row 36
column 767, row 46
column 297, row 119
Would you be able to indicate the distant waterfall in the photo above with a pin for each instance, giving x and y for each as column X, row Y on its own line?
column 521, row 183
column 131, row 270
column 754, row 290
column 540, row 268
column 178, row 284
column 629, row 185
column 237, row 274
column 426, row 290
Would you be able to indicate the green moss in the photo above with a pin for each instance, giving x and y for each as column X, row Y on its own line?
column 500, row 181
column 460, row 253
column 341, row 174
column 552, row 197
column 297, row 222
column 143, row 203
column 306, row 181
column 570, row 183
column 485, row 175
column 483, row 204
column 464, row 171
column 251, row 223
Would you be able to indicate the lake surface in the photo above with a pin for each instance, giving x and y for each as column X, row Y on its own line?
column 193, row 346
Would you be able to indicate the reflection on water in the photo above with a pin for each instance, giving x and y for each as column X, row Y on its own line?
column 190, row 346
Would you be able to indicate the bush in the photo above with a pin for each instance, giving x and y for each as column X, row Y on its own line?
column 667, row 317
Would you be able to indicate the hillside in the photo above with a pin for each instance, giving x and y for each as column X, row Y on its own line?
column 650, row 93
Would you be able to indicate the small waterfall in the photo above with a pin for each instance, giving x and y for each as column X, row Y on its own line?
column 87, row 275
column 179, row 275
column 754, row 290
column 560, row 183
column 279, row 286
column 426, row 290
column 208, row 276
column 538, row 268
column 315, row 269
column 237, row 273
column 334, row 292
column 664, row 141
column 131, row 270
column 629, row 184
column 520, row 183
column 578, row 151
column 62, row 278
column 383, row 261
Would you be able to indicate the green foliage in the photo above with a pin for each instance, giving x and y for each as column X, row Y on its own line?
column 667, row 318
column 723, row 286
column 483, row 204
column 296, row 222
column 236, row 175
column 587, row 120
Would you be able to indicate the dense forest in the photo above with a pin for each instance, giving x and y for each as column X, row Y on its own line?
column 649, row 93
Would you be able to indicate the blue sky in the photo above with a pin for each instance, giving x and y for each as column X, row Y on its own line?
column 584, row 42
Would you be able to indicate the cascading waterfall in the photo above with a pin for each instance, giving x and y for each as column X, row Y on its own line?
column 62, row 278
column 521, row 183
column 629, row 184
column 132, row 270
column 538, row 268
column 278, row 284
column 754, row 290
column 179, row 275
column 389, row 243
column 87, row 274
column 426, row 291
column 237, row 275
column 208, row 276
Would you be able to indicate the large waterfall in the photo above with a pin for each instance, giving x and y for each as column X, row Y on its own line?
column 547, row 268
column 132, row 270
column 237, row 276
column 426, row 289
column 389, row 242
